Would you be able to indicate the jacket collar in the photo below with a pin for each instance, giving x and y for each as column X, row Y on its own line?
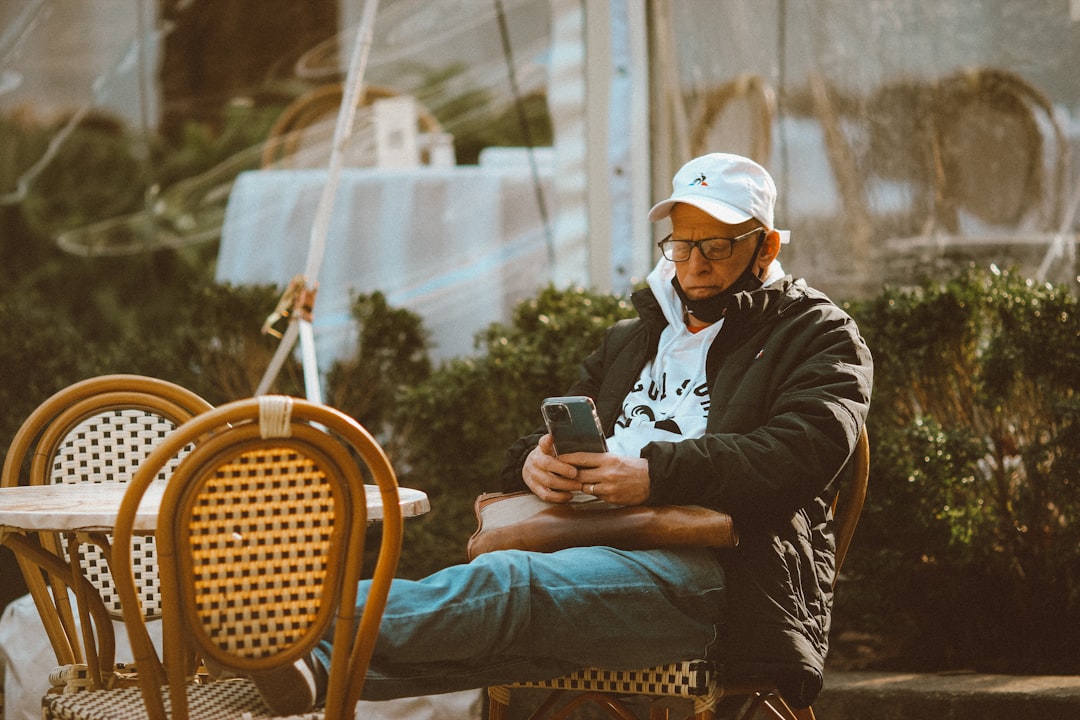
column 761, row 304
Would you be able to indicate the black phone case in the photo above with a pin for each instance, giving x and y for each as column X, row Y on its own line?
column 573, row 424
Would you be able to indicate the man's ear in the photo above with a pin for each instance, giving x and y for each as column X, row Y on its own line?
column 770, row 248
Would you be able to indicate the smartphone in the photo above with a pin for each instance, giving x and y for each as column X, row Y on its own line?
column 573, row 424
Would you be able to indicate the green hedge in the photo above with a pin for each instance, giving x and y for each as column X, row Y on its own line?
column 968, row 553
column 211, row 343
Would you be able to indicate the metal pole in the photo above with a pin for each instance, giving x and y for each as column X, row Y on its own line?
column 316, row 247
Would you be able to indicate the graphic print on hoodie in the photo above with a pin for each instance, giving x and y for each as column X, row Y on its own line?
column 670, row 400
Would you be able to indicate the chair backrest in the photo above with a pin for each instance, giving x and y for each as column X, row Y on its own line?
column 303, row 134
column 736, row 117
column 1000, row 151
column 260, row 537
column 848, row 505
column 95, row 431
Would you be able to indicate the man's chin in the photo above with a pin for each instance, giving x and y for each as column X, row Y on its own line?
column 702, row 293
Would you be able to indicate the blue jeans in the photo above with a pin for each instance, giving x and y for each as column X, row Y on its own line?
column 514, row 616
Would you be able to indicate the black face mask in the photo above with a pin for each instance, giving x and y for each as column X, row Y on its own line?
column 711, row 309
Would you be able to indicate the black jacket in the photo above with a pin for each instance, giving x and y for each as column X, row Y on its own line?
column 790, row 381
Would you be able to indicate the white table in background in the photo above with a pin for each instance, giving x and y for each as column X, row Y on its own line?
column 460, row 245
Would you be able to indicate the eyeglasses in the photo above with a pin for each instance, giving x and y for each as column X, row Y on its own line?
column 718, row 248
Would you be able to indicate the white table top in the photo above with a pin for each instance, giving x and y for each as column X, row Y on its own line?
column 87, row 506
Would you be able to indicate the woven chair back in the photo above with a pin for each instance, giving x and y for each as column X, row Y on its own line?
column 95, row 431
column 1000, row 152
column 260, row 539
column 106, row 440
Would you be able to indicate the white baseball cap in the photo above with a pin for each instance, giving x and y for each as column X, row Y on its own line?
column 731, row 188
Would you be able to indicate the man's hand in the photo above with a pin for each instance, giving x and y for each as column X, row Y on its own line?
column 614, row 478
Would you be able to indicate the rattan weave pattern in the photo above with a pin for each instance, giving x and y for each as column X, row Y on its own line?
column 234, row 525
column 688, row 679
column 78, row 678
column 108, row 447
column 224, row 700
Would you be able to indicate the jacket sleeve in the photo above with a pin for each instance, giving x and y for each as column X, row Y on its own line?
column 788, row 406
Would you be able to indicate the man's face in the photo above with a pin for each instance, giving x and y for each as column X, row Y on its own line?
column 701, row 278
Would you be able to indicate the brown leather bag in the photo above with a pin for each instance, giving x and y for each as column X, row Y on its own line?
column 522, row 521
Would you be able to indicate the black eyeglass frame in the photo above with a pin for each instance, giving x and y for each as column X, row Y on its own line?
column 667, row 243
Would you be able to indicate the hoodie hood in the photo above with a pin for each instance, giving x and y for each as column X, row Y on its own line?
column 659, row 281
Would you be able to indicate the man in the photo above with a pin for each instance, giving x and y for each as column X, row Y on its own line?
column 737, row 388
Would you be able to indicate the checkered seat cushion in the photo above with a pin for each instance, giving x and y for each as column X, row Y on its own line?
column 233, row 699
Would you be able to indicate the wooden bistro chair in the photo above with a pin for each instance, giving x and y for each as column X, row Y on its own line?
column 695, row 682
column 1001, row 153
column 1001, row 167
column 98, row 430
column 260, row 537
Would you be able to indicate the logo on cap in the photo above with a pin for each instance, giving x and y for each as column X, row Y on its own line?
column 699, row 180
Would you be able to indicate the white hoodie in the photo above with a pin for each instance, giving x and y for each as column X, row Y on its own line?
column 670, row 400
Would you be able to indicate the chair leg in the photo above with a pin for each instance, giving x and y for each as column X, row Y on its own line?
column 782, row 711
column 776, row 708
column 498, row 703
column 497, row 711
column 613, row 707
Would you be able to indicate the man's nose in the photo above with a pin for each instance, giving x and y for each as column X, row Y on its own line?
column 697, row 258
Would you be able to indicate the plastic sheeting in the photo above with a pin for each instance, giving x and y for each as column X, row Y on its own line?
column 908, row 137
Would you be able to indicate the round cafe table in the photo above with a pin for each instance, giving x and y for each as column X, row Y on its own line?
column 94, row 506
